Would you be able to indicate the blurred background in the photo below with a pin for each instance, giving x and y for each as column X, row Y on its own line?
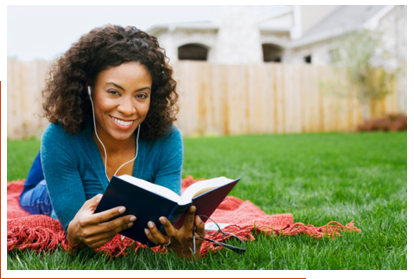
column 240, row 69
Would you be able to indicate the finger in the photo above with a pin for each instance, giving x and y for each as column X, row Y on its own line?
column 98, row 241
column 112, row 227
column 103, row 216
column 150, row 237
column 189, row 218
column 200, row 227
column 157, row 235
column 168, row 227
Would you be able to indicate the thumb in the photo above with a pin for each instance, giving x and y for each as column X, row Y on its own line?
column 97, row 198
column 93, row 202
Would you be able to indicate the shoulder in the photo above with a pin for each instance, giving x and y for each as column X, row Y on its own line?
column 174, row 133
column 57, row 130
column 170, row 143
column 58, row 143
column 56, row 134
column 171, row 137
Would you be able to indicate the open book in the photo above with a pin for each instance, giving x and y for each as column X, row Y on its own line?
column 148, row 201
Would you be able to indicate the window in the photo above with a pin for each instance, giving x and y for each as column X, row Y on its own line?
column 192, row 52
column 308, row 59
column 272, row 53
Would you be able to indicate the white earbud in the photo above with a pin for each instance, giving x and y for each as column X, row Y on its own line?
column 89, row 91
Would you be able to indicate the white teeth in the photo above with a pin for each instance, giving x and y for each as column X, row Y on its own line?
column 121, row 122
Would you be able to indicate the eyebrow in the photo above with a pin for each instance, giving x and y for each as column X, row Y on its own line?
column 120, row 87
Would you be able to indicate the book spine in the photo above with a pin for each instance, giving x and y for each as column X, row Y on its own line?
column 172, row 212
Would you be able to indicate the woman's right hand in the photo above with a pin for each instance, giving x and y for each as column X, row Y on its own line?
column 94, row 230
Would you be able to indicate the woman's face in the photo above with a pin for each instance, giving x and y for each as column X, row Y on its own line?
column 121, row 98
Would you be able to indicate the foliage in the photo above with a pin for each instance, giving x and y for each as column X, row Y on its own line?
column 392, row 123
column 370, row 68
column 316, row 177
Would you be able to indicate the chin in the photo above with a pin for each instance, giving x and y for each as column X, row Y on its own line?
column 123, row 136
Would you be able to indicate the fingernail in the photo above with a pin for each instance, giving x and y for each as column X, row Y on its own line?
column 122, row 209
column 130, row 225
column 146, row 231
column 150, row 224
column 133, row 218
column 163, row 221
column 198, row 219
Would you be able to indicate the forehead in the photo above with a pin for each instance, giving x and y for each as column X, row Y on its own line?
column 126, row 73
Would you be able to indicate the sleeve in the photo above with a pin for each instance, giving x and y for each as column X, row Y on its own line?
column 60, row 169
column 171, row 162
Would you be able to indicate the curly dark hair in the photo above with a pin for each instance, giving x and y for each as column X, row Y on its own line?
column 65, row 97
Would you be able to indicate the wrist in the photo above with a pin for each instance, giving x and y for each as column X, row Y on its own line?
column 71, row 236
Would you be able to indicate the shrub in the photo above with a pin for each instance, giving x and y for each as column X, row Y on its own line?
column 391, row 123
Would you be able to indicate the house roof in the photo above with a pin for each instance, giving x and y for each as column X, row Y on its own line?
column 196, row 25
column 343, row 20
column 205, row 25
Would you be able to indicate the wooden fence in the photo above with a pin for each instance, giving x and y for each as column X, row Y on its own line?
column 223, row 99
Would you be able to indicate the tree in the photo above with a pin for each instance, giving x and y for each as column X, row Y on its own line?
column 369, row 66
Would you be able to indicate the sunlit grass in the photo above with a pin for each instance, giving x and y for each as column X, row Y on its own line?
column 316, row 177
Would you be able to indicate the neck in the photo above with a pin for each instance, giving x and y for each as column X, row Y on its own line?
column 112, row 145
column 116, row 149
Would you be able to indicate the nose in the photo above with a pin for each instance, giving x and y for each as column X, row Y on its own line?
column 126, row 106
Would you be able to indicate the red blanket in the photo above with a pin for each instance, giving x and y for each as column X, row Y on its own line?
column 38, row 232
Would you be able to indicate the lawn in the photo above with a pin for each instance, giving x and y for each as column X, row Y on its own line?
column 316, row 177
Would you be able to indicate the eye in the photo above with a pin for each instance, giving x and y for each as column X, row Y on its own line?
column 142, row 96
column 113, row 92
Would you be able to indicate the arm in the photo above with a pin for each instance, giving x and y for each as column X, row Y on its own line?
column 63, row 180
column 169, row 175
column 170, row 162
column 66, row 190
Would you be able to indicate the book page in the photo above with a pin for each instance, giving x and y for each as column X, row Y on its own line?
column 202, row 187
column 151, row 187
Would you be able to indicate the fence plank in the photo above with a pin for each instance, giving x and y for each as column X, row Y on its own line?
column 223, row 99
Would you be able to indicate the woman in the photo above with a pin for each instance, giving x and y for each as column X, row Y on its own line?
column 111, row 101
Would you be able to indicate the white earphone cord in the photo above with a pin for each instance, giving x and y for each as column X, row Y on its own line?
column 94, row 125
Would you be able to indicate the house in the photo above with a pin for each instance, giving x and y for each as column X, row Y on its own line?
column 295, row 34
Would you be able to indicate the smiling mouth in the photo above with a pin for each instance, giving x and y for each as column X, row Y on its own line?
column 122, row 122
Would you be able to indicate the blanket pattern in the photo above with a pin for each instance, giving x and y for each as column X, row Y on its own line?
column 39, row 232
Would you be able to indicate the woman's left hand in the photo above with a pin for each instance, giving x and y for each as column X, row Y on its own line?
column 181, row 240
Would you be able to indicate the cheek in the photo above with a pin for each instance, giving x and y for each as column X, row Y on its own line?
column 102, row 104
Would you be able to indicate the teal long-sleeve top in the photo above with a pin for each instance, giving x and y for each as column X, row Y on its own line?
column 75, row 172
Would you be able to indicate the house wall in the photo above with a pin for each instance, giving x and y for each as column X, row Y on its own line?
column 274, row 37
column 238, row 38
column 173, row 39
column 394, row 27
column 319, row 51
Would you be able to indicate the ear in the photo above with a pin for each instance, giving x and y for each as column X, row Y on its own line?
column 88, row 85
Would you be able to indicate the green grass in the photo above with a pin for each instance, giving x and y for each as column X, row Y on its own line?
column 316, row 177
